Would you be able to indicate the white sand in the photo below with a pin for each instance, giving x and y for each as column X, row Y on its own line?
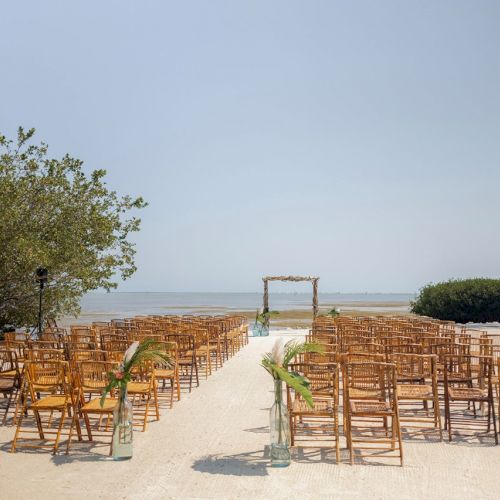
column 212, row 445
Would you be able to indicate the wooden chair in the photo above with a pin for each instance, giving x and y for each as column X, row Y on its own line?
column 417, row 382
column 186, row 352
column 50, row 378
column 10, row 378
column 321, row 421
column 92, row 378
column 171, row 374
column 363, row 413
column 144, row 388
column 461, row 386
column 44, row 355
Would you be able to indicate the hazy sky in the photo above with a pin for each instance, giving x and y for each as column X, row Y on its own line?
column 358, row 141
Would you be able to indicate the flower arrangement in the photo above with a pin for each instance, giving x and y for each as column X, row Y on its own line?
column 276, row 363
column 134, row 356
column 262, row 316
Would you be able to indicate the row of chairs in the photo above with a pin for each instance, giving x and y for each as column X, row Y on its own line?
column 58, row 375
column 387, row 371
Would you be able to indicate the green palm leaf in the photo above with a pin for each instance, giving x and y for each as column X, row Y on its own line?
column 293, row 348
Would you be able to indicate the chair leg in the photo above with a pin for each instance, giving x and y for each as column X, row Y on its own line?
column 494, row 419
column 18, row 428
column 178, row 383
column 336, row 431
column 70, row 435
column 155, row 396
column 8, row 406
column 59, row 429
column 39, row 424
column 145, row 422
column 196, row 372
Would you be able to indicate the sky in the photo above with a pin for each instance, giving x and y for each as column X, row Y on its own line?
column 356, row 141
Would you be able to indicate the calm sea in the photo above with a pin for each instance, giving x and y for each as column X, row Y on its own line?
column 105, row 306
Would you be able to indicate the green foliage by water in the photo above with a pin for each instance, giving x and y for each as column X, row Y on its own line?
column 56, row 215
column 469, row 300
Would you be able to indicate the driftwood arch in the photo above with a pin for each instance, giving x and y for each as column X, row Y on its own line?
column 313, row 279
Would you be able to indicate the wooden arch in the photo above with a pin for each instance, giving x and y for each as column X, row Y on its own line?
column 313, row 279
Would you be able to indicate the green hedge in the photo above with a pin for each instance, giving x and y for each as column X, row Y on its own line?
column 470, row 300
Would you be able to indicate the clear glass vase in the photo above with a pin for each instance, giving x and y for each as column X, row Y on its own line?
column 122, row 427
column 260, row 330
column 279, row 425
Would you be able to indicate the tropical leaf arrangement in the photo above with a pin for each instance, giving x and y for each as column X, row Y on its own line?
column 333, row 312
column 134, row 356
column 263, row 316
column 276, row 363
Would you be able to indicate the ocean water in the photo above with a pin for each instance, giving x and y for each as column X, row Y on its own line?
column 105, row 306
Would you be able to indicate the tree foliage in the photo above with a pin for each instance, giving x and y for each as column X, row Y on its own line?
column 469, row 300
column 56, row 216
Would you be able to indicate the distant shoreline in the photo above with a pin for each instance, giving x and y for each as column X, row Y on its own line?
column 292, row 318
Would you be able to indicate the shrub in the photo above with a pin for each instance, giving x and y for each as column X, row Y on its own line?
column 469, row 300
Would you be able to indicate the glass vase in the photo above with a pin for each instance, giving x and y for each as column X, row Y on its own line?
column 122, row 427
column 279, row 424
column 260, row 330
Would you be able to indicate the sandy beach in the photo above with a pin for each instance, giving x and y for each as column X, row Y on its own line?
column 213, row 444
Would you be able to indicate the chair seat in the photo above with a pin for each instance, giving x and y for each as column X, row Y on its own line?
column 7, row 384
column 356, row 393
column 94, row 405
column 8, row 374
column 54, row 402
column 370, row 407
column 415, row 391
column 164, row 373
column 138, row 387
column 467, row 393
column 45, row 388
column 321, row 407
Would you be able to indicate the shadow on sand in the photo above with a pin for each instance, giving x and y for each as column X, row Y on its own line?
column 253, row 463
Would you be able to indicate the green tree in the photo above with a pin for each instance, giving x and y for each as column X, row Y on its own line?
column 56, row 216
column 469, row 300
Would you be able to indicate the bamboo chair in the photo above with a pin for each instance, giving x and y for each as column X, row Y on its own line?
column 10, row 379
column 186, row 354
column 460, row 386
column 44, row 345
column 215, row 344
column 87, row 355
column 114, row 356
column 202, row 349
column 16, row 336
column 73, row 345
column 116, row 345
column 89, row 338
column 319, row 357
column 145, row 388
column 19, row 347
column 417, row 382
column 108, row 338
column 51, row 378
column 45, row 355
column 403, row 349
column 366, row 347
column 322, row 420
column 92, row 378
column 171, row 374
column 55, row 337
column 380, row 379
